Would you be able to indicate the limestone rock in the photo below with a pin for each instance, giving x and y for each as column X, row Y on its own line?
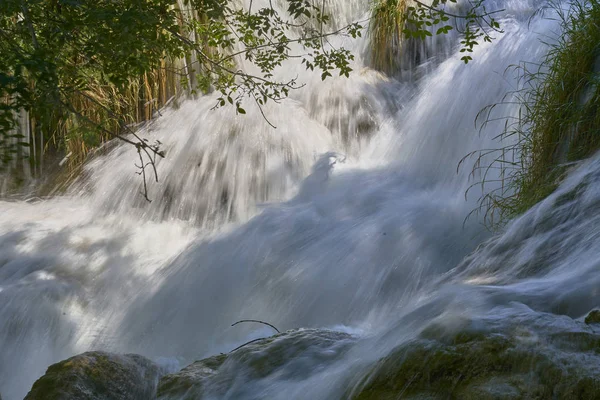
column 98, row 376
column 293, row 355
column 593, row 317
column 190, row 381
column 512, row 363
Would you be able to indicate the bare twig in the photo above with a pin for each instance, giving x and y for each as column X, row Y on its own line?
column 257, row 321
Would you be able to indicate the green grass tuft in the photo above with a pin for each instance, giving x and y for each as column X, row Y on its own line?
column 387, row 25
column 558, row 123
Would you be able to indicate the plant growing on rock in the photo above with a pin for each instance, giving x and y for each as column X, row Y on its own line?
column 556, row 126
column 395, row 23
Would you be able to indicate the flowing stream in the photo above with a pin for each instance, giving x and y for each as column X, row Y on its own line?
column 349, row 216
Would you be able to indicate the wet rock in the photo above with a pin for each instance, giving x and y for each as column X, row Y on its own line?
column 291, row 356
column 190, row 381
column 593, row 317
column 98, row 376
column 504, row 364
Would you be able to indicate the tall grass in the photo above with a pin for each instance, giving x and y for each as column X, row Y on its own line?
column 102, row 111
column 405, row 33
column 386, row 30
column 558, row 123
column 105, row 106
column 99, row 112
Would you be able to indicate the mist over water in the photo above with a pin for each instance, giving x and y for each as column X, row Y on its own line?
column 349, row 216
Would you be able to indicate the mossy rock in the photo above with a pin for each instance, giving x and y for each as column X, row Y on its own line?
column 98, row 376
column 593, row 317
column 488, row 366
column 190, row 381
column 293, row 355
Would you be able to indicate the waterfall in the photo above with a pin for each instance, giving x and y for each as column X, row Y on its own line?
column 350, row 215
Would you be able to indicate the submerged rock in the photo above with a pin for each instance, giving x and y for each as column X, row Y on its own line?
column 291, row 356
column 515, row 362
column 190, row 381
column 593, row 317
column 509, row 354
column 98, row 376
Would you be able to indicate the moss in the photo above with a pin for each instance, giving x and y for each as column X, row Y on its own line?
column 593, row 317
column 227, row 375
column 98, row 376
column 190, row 380
column 476, row 366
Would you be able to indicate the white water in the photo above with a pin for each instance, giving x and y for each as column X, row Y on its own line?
column 276, row 224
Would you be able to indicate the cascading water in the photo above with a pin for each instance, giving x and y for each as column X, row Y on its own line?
column 348, row 216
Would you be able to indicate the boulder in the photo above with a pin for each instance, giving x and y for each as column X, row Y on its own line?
column 98, row 376
column 515, row 362
column 190, row 382
column 293, row 355
column 593, row 317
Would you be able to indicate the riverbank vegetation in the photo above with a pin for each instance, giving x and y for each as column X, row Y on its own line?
column 399, row 24
column 558, row 124
column 75, row 74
